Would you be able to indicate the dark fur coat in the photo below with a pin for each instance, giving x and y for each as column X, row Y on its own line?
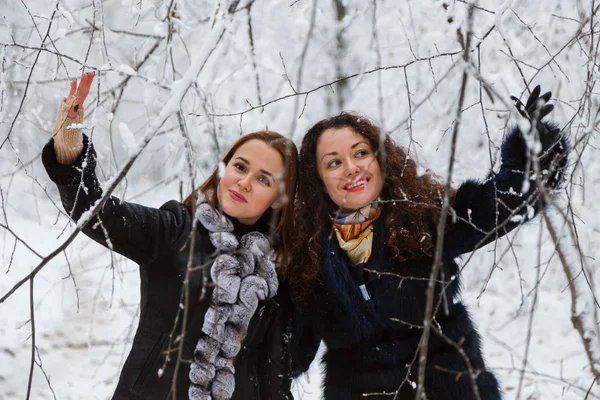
column 372, row 344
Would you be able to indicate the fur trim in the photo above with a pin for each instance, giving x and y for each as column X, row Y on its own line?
column 244, row 274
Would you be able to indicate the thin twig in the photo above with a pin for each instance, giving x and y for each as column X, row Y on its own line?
column 441, row 228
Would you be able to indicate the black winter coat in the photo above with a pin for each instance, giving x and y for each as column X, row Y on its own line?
column 371, row 344
column 158, row 240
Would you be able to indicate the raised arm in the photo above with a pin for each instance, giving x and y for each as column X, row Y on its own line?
column 483, row 211
column 137, row 232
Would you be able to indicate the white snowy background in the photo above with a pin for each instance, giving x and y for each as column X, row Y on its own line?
column 275, row 66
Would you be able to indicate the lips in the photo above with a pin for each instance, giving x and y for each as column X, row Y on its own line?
column 237, row 196
column 357, row 185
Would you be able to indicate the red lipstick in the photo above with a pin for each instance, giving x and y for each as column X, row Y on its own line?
column 357, row 184
column 237, row 196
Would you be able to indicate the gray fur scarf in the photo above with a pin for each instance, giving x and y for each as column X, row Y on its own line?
column 243, row 274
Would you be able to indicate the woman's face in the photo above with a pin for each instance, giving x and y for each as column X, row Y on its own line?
column 348, row 168
column 251, row 181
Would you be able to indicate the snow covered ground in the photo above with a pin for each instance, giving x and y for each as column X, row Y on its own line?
column 86, row 300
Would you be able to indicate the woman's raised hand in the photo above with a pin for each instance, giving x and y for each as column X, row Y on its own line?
column 536, row 106
column 76, row 97
column 554, row 147
column 68, row 139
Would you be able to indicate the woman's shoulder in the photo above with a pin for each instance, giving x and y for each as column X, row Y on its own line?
column 177, row 207
column 181, row 219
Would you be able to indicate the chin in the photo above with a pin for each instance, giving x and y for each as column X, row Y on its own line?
column 230, row 209
column 355, row 204
column 351, row 206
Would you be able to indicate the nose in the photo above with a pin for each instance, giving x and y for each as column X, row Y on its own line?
column 244, row 183
column 352, row 169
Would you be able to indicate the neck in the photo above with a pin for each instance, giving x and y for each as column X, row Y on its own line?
column 261, row 225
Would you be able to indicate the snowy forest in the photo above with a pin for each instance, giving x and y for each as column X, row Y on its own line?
column 177, row 81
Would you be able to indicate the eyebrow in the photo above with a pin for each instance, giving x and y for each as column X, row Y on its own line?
column 264, row 171
column 335, row 153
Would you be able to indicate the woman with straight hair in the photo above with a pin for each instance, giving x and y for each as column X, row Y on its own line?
column 232, row 236
column 366, row 232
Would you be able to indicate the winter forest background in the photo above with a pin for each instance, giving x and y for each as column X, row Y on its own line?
column 186, row 77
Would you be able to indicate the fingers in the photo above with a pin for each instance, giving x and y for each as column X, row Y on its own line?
column 73, row 88
column 533, row 97
column 536, row 104
column 547, row 109
column 84, row 87
column 71, row 97
column 82, row 92
column 546, row 96
column 539, row 108
column 518, row 105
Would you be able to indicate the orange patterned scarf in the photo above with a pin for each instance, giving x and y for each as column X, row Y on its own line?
column 354, row 232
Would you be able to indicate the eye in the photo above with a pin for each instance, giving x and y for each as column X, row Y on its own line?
column 362, row 153
column 239, row 167
column 333, row 163
column 264, row 180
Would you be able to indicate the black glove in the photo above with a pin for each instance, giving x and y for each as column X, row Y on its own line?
column 554, row 146
column 536, row 106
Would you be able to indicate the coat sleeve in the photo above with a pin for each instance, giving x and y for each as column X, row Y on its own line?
column 137, row 232
column 484, row 211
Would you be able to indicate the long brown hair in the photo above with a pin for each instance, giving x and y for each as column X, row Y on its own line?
column 411, row 203
column 284, row 225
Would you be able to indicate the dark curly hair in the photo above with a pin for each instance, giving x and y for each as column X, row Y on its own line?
column 411, row 203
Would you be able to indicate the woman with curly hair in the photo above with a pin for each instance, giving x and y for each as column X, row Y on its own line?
column 363, row 255
column 214, row 304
